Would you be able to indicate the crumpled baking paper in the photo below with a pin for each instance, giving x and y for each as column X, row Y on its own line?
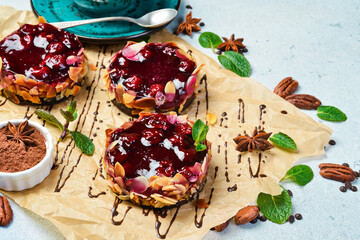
column 63, row 197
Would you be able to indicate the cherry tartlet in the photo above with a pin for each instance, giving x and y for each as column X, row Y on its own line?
column 153, row 161
column 41, row 64
column 157, row 76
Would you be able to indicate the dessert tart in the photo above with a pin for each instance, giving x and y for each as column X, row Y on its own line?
column 153, row 161
column 157, row 76
column 41, row 64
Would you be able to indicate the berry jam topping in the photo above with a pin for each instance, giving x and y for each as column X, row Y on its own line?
column 39, row 52
column 153, row 146
column 151, row 69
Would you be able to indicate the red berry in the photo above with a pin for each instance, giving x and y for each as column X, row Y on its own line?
column 39, row 72
column 123, row 62
column 28, row 29
column 128, row 140
column 157, row 121
column 166, row 168
column 184, row 128
column 146, row 53
column 189, row 155
column 133, row 83
column 153, row 136
column 26, row 40
column 55, row 62
column 115, row 155
column 177, row 140
column 154, row 89
column 187, row 66
column 56, row 47
column 185, row 171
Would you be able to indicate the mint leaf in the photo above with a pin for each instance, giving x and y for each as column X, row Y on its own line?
column 275, row 208
column 67, row 115
column 48, row 117
column 197, row 128
column 200, row 147
column 72, row 109
column 236, row 63
column 83, row 142
column 331, row 113
column 209, row 40
column 283, row 140
column 204, row 131
column 300, row 174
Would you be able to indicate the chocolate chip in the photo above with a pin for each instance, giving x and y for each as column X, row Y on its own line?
column 353, row 188
column 298, row 216
column 348, row 185
column 290, row 193
column 253, row 221
column 201, row 24
column 188, row 6
column 291, row 219
column 263, row 218
column 332, row 142
column 343, row 189
column 345, row 165
column 94, row 134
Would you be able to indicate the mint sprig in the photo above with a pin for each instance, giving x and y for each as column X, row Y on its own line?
column 330, row 113
column 300, row 174
column 275, row 208
column 210, row 40
column 236, row 63
column 283, row 140
column 199, row 131
column 70, row 115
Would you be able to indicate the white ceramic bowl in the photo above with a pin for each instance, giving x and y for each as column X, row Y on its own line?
column 19, row 181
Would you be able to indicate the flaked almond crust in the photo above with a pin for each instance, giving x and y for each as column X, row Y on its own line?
column 126, row 100
column 166, row 191
column 20, row 90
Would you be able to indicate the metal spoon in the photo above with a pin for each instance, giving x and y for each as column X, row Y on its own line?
column 150, row 20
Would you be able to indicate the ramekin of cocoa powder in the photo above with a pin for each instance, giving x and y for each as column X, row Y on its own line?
column 26, row 150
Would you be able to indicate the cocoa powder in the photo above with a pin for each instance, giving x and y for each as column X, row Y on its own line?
column 14, row 157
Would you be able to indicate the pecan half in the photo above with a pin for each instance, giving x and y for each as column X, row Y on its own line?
column 286, row 87
column 223, row 226
column 303, row 101
column 337, row 172
column 246, row 214
column 6, row 213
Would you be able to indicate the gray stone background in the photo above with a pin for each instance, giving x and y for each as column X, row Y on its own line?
column 318, row 44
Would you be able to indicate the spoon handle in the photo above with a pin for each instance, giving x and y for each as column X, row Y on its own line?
column 69, row 24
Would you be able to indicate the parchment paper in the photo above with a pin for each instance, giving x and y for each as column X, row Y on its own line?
column 66, row 202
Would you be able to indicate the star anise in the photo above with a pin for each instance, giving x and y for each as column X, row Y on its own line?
column 232, row 44
column 189, row 25
column 19, row 135
column 258, row 141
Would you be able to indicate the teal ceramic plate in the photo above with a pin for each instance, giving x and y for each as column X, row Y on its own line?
column 105, row 32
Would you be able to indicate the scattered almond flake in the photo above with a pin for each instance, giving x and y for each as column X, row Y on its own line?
column 201, row 203
column 92, row 67
column 211, row 118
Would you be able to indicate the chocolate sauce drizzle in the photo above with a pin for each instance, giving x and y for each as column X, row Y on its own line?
column 204, row 79
column 261, row 108
column 197, row 223
column 115, row 213
column 82, row 116
column 2, row 102
column 197, row 109
column 95, row 196
column 233, row 188
column 163, row 213
column 96, row 172
column 239, row 159
column 241, row 113
column 284, row 112
column 226, row 163
column 256, row 175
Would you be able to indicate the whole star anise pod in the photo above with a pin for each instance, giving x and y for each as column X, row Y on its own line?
column 189, row 25
column 232, row 44
column 19, row 135
column 258, row 141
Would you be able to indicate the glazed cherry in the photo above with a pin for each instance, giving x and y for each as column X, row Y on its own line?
column 154, row 89
column 157, row 64
column 184, row 128
column 133, row 83
column 166, row 168
column 55, row 62
column 56, row 47
column 162, row 150
column 153, row 136
column 39, row 52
